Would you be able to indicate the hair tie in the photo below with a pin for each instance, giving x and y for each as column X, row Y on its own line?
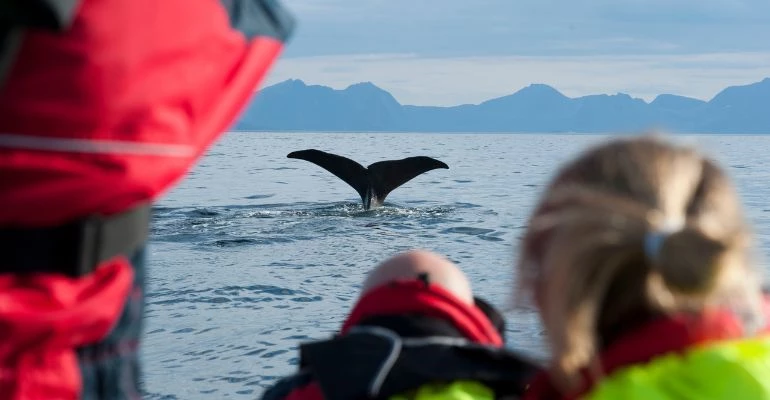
column 653, row 240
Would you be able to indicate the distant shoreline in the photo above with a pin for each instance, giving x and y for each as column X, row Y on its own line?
column 293, row 106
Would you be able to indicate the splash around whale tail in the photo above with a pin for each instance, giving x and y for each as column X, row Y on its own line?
column 381, row 177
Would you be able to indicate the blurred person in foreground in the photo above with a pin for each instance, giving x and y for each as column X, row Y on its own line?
column 637, row 258
column 104, row 105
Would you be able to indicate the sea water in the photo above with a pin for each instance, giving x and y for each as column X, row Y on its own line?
column 253, row 253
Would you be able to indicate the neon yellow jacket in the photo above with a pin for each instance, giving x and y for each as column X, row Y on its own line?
column 458, row 390
column 730, row 370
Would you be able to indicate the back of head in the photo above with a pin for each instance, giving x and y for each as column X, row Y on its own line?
column 631, row 229
column 420, row 285
column 412, row 264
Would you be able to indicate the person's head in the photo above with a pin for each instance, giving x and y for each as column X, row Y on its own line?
column 633, row 229
column 422, row 282
column 412, row 264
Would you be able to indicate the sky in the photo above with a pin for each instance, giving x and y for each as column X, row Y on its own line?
column 450, row 52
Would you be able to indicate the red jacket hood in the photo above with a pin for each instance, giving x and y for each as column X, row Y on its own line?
column 416, row 296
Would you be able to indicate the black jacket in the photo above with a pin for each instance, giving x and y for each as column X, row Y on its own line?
column 388, row 355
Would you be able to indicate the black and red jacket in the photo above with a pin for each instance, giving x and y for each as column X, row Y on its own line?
column 104, row 105
column 403, row 335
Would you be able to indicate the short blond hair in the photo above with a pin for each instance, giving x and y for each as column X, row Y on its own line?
column 584, row 257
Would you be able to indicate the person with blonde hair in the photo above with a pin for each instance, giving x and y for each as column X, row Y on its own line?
column 637, row 258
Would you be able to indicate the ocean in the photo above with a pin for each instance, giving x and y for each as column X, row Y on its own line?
column 253, row 253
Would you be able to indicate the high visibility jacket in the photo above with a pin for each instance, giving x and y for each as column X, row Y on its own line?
column 706, row 356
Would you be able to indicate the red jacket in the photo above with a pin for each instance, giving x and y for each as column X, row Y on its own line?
column 117, row 107
column 103, row 113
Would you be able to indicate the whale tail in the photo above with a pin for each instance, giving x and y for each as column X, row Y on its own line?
column 375, row 182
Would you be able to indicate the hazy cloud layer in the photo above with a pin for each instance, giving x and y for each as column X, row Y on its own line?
column 529, row 27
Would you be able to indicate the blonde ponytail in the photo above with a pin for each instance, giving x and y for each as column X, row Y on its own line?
column 633, row 226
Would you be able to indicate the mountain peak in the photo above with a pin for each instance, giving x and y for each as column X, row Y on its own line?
column 292, row 82
column 364, row 86
column 756, row 93
column 535, row 93
column 672, row 101
column 540, row 89
column 368, row 90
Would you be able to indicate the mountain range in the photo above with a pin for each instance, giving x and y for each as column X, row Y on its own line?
column 293, row 105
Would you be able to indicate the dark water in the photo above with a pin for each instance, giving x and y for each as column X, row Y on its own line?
column 253, row 252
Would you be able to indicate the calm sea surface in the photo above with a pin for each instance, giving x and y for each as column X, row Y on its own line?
column 253, row 252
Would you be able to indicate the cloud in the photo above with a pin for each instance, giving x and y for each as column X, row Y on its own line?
column 418, row 80
column 529, row 27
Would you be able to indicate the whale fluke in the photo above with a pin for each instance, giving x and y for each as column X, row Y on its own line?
column 374, row 182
